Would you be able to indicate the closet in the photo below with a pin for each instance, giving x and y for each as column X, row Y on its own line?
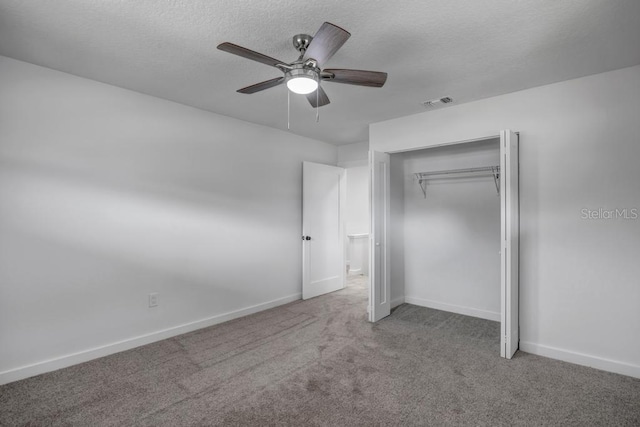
column 451, row 227
column 445, row 230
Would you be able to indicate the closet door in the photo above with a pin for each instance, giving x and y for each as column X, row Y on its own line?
column 379, row 277
column 510, row 238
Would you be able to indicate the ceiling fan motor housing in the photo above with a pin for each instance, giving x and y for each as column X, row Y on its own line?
column 303, row 71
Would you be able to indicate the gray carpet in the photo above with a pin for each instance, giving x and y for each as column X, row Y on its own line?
column 319, row 363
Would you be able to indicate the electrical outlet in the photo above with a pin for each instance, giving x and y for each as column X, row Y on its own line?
column 153, row 299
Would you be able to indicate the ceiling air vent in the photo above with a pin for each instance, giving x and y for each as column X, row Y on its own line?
column 436, row 102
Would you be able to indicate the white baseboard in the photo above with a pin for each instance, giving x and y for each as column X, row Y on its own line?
column 397, row 301
column 581, row 359
column 105, row 350
column 467, row 311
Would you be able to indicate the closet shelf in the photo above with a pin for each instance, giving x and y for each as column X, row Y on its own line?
column 493, row 171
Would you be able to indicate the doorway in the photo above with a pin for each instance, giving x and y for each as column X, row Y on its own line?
column 335, row 227
column 385, row 232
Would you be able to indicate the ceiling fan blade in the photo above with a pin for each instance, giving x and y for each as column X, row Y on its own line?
column 262, row 85
column 326, row 42
column 322, row 98
column 249, row 54
column 357, row 77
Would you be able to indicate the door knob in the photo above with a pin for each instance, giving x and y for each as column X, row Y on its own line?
column 306, row 237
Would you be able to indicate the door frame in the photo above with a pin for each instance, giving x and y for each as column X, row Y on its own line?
column 379, row 229
column 509, row 220
column 510, row 243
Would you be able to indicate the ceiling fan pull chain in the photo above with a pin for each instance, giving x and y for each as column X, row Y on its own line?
column 317, row 99
column 288, row 110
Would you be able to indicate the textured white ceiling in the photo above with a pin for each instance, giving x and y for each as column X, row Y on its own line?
column 460, row 48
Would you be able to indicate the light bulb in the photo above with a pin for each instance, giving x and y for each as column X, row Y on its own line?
column 302, row 85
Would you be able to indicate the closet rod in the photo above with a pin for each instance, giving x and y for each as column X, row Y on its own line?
column 423, row 177
column 467, row 170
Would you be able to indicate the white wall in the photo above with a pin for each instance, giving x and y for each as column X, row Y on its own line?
column 452, row 236
column 107, row 195
column 579, row 286
column 357, row 211
column 352, row 155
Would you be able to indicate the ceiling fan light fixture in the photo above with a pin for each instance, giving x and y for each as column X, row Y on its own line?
column 302, row 81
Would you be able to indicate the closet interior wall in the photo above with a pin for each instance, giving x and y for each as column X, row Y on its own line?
column 451, row 235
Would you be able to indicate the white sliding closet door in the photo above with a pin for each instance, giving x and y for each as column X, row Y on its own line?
column 379, row 276
column 510, row 238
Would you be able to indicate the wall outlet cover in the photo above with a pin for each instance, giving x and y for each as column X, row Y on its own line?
column 153, row 299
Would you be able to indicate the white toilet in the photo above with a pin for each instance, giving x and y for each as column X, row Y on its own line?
column 358, row 253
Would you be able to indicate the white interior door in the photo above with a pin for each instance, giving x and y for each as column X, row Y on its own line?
column 379, row 276
column 510, row 237
column 323, row 201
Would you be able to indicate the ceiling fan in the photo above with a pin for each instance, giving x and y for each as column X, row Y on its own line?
column 303, row 76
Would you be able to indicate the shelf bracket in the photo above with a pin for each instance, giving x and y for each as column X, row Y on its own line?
column 423, row 185
column 496, row 177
